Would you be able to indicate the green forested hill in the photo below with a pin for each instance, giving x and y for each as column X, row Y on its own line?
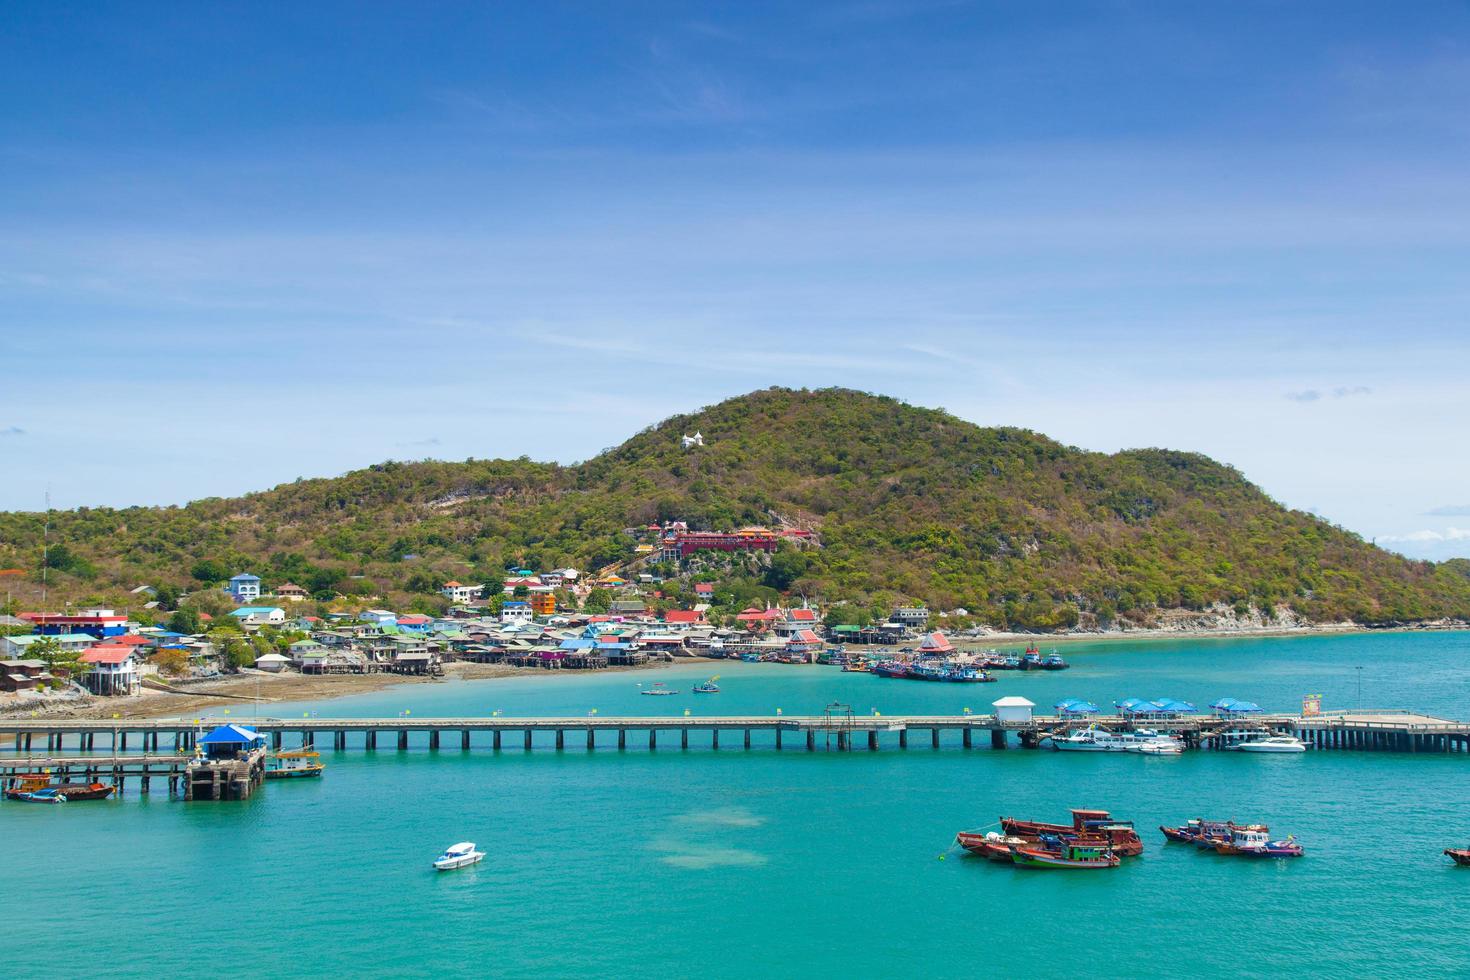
column 910, row 503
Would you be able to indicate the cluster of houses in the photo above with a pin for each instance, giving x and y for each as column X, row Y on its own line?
column 524, row 629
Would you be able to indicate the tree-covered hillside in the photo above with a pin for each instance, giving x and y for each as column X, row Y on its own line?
column 909, row 503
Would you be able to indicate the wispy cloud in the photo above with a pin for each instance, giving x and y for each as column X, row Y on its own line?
column 1450, row 510
column 1342, row 391
column 11, row 431
column 1425, row 536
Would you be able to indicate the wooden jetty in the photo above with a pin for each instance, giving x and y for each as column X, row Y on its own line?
column 114, row 769
column 1400, row 731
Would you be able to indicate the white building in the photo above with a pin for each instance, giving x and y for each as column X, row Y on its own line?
column 111, row 670
column 515, row 611
column 259, row 615
column 1013, row 709
column 460, row 595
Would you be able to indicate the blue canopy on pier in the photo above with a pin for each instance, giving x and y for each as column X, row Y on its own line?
column 1224, row 704
column 1136, row 706
column 232, row 735
column 1240, row 707
column 1174, row 707
column 1076, row 706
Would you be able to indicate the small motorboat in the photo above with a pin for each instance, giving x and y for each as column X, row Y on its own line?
column 460, row 855
column 1054, row 662
column 855, row 665
column 658, row 690
column 708, row 687
column 1149, row 742
column 1070, row 856
column 1275, row 743
column 1206, row 833
column 1460, row 855
column 48, row 795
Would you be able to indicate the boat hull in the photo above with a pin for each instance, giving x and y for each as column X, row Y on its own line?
column 1024, row 857
column 1459, row 856
column 299, row 772
column 1125, row 842
column 454, row 864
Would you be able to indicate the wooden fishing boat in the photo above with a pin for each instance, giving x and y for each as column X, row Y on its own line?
column 1253, row 842
column 1070, row 856
column 1460, row 856
column 991, row 846
column 47, row 795
column 71, row 791
column 1207, row 833
column 1085, row 823
column 298, row 764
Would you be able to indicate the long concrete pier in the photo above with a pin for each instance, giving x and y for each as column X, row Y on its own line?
column 1355, row 730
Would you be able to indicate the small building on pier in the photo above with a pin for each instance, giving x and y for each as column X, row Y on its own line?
column 230, row 765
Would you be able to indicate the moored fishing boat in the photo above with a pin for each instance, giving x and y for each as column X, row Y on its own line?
column 1054, row 662
column 964, row 674
column 1460, row 856
column 1256, row 842
column 1205, row 833
column 708, row 687
column 658, row 690
column 990, row 845
column 300, row 763
column 1075, row 856
column 890, row 668
column 71, row 791
column 856, row 665
column 1085, row 823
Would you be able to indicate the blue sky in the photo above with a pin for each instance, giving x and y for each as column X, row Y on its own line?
column 244, row 244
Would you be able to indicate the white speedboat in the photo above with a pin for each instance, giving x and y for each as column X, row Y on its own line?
column 657, row 690
column 461, row 855
column 1276, row 743
column 1091, row 740
column 1146, row 741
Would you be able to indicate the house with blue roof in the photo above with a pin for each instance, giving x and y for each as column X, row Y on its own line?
column 244, row 587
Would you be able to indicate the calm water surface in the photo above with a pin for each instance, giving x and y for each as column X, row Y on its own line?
column 734, row 863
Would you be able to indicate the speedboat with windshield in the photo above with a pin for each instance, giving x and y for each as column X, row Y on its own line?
column 1275, row 743
column 460, row 855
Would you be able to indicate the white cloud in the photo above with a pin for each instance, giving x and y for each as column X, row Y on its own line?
column 1419, row 537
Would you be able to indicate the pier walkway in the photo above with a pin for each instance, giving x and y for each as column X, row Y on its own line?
column 1357, row 730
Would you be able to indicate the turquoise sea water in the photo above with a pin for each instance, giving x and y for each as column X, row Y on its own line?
column 735, row 863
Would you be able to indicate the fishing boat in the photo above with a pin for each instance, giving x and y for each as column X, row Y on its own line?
column 1460, row 856
column 890, row 668
column 1206, row 833
column 1054, row 662
column 460, row 855
column 1070, row 856
column 71, row 791
column 990, row 845
column 1257, row 842
column 300, row 763
column 708, row 687
column 1095, row 740
column 958, row 674
column 857, row 665
column 658, row 690
column 1275, row 743
column 1085, row 823
column 47, row 795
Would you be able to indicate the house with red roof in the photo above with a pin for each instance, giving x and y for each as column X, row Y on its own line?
column 936, row 643
column 112, row 669
column 704, row 588
column 684, row 617
column 758, row 619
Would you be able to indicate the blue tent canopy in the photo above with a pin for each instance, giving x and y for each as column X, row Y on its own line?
column 1076, row 706
column 1174, row 707
column 1136, row 706
column 1243, row 707
column 1223, row 704
column 231, row 735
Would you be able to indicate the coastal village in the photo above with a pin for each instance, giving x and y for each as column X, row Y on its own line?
column 537, row 619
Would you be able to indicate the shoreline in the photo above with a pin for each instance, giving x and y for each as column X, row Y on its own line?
column 240, row 689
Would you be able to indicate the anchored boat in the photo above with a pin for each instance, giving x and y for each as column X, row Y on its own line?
column 298, row 764
column 1085, row 823
column 1275, row 743
column 461, row 855
column 1253, row 842
column 69, row 791
column 708, row 687
column 991, row 846
column 47, row 795
column 1070, row 856
column 1460, row 856
column 657, row 690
